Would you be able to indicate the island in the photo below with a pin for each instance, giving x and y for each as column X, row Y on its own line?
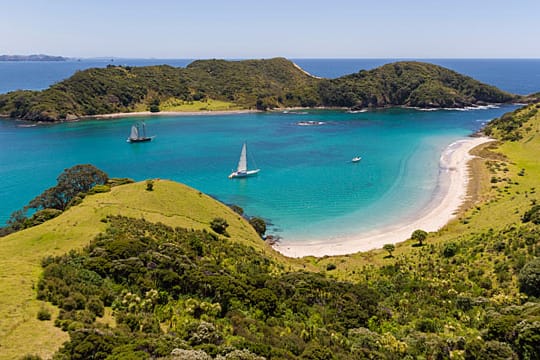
column 34, row 57
column 247, row 84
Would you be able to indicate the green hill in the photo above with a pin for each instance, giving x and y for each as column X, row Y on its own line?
column 247, row 84
column 170, row 203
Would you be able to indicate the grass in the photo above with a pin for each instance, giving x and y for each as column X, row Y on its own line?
column 178, row 105
column 170, row 203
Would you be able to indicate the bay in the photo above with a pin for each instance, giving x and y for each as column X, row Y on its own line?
column 308, row 188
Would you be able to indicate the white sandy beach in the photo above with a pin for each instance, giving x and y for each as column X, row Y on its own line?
column 166, row 113
column 450, row 195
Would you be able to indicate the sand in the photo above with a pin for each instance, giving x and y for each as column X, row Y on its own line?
column 450, row 195
column 167, row 113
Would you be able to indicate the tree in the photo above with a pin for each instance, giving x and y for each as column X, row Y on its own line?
column 72, row 181
column 258, row 224
column 390, row 248
column 529, row 278
column 420, row 236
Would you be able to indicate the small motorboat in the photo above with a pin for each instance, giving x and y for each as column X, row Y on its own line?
column 356, row 159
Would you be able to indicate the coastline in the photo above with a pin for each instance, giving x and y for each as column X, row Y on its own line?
column 450, row 194
column 165, row 113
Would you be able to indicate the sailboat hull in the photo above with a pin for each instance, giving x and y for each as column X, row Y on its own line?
column 244, row 174
column 142, row 139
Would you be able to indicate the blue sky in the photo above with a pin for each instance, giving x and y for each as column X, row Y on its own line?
column 262, row 28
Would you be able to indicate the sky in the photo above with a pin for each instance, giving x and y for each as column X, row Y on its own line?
column 234, row 29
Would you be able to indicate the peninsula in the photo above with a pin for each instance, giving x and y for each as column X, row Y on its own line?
column 34, row 57
column 246, row 84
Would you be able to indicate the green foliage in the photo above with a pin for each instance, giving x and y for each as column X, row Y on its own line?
column 330, row 266
column 532, row 215
column 259, row 84
column 529, row 278
column 419, row 235
column 71, row 182
column 219, row 225
column 161, row 286
column 509, row 127
column 149, row 185
column 72, row 185
column 258, row 224
column 390, row 248
column 44, row 314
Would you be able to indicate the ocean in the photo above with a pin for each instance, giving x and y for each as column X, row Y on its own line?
column 308, row 188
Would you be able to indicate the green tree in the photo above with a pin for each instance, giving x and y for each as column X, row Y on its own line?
column 72, row 181
column 529, row 278
column 390, row 248
column 420, row 236
column 258, row 224
column 149, row 185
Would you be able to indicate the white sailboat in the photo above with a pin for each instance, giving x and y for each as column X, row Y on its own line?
column 242, row 169
column 137, row 135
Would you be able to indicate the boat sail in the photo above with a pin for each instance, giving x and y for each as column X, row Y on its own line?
column 137, row 135
column 242, row 168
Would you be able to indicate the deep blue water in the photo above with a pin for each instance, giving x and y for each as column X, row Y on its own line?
column 520, row 76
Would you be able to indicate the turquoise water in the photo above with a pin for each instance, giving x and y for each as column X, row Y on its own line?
column 307, row 188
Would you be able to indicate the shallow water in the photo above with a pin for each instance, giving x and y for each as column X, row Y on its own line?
column 308, row 188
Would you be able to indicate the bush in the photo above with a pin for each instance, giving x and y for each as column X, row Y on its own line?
column 149, row 185
column 258, row 224
column 529, row 278
column 532, row 215
column 219, row 225
column 330, row 267
column 44, row 314
column 449, row 250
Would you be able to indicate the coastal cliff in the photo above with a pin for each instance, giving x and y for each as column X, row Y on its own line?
column 246, row 84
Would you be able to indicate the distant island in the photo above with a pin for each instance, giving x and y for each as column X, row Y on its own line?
column 206, row 85
column 34, row 57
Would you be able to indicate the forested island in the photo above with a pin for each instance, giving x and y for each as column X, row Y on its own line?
column 110, row 269
column 246, row 84
column 34, row 57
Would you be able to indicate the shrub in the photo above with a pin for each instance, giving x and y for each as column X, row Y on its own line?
column 219, row 225
column 258, row 224
column 237, row 209
column 149, row 185
column 44, row 314
column 529, row 278
column 449, row 250
column 532, row 215
column 330, row 267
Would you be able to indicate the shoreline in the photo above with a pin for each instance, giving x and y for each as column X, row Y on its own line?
column 449, row 196
column 164, row 113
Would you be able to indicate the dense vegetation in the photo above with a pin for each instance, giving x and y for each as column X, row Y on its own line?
column 193, row 290
column 249, row 84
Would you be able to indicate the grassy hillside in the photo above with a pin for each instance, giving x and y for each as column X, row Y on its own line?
column 247, row 84
column 170, row 203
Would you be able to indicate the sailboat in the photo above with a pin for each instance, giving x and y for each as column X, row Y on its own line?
column 138, row 133
column 242, row 169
